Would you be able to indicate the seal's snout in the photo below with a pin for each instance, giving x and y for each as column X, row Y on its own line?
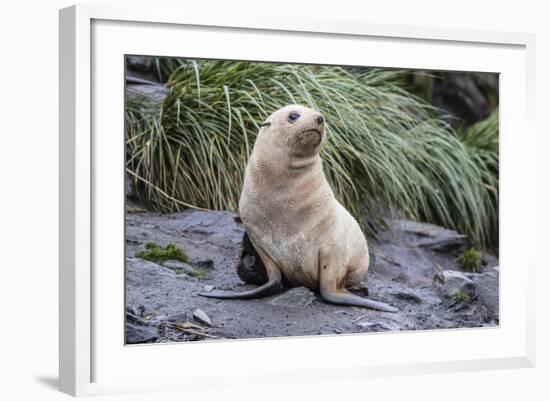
column 320, row 119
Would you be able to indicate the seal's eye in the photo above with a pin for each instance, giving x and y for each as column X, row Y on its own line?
column 293, row 116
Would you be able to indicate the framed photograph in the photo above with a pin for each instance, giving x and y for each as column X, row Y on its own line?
column 242, row 194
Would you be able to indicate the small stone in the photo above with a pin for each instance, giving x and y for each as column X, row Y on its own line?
column 200, row 316
column 295, row 297
column 452, row 282
column 208, row 288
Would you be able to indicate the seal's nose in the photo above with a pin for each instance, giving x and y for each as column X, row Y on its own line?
column 320, row 120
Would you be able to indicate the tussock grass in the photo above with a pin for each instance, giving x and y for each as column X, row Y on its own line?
column 386, row 149
column 482, row 144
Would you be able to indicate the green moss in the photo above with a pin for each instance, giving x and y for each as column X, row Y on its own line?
column 192, row 273
column 199, row 274
column 470, row 260
column 157, row 254
column 461, row 296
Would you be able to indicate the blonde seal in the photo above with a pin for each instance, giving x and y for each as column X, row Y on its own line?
column 299, row 229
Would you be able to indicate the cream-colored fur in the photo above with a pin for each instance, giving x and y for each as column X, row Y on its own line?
column 292, row 218
column 289, row 210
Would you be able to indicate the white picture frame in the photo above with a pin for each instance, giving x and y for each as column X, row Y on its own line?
column 92, row 351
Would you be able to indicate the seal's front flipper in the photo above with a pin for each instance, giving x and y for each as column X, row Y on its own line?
column 272, row 287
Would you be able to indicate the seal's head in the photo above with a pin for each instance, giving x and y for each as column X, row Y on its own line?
column 299, row 129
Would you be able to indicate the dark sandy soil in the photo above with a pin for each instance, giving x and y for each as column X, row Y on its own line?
column 413, row 267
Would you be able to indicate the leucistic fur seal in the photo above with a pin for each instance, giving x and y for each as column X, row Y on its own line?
column 298, row 228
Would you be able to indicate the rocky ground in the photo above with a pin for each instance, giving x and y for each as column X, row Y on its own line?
column 413, row 267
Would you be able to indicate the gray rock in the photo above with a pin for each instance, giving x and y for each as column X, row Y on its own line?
column 153, row 91
column 177, row 317
column 138, row 331
column 295, row 298
column 487, row 288
column 465, row 95
column 452, row 282
column 139, row 63
column 136, row 334
column 146, row 273
column 381, row 325
column 200, row 316
column 404, row 263
column 431, row 236
column 488, row 261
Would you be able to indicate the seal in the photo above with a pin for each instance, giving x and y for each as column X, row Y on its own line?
column 301, row 233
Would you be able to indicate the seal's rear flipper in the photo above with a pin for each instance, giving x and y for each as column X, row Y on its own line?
column 343, row 297
column 333, row 292
column 270, row 288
